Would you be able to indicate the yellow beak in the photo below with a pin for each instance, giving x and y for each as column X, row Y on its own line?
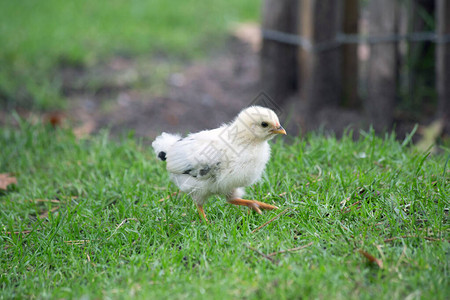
column 279, row 130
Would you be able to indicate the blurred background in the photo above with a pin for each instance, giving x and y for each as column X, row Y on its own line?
column 153, row 65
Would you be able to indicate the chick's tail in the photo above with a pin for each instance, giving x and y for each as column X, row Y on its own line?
column 163, row 143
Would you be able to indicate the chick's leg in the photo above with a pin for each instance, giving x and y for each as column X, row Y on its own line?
column 201, row 212
column 253, row 204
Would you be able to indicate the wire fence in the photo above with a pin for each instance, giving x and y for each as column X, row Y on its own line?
column 342, row 39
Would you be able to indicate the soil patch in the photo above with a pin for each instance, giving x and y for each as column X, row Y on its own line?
column 155, row 95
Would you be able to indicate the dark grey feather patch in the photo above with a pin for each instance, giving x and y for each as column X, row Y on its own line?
column 162, row 155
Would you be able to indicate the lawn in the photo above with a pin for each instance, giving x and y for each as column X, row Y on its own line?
column 97, row 217
column 37, row 38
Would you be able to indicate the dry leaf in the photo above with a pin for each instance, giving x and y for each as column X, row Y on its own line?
column 55, row 118
column 6, row 180
column 371, row 258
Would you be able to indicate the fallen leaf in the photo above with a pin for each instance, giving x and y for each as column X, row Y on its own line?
column 55, row 118
column 5, row 180
column 371, row 258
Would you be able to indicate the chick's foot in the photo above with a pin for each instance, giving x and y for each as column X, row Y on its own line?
column 201, row 212
column 253, row 204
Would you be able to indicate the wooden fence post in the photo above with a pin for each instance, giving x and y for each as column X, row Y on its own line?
column 350, row 55
column 320, row 70
column 382, row 73
column 443, row 63
column 278, row 60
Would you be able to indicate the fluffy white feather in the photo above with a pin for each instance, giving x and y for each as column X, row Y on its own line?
column 223, row 160
column 164, row 142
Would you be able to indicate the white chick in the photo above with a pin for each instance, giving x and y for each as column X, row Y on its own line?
column 221, row 161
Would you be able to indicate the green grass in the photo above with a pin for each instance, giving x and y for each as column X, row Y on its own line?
column 37, row 37
column 343, row 196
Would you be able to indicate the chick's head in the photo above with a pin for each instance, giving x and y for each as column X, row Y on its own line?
column 259, row 123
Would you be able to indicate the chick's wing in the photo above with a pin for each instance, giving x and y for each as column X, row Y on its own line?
column 198, row 155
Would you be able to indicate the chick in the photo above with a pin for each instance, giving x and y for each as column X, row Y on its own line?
column 221, row 161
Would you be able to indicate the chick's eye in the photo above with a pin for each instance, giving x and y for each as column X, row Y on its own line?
column 264, row 124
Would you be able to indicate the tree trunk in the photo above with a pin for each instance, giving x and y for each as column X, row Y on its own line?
column 382, row 75
column 279, row 60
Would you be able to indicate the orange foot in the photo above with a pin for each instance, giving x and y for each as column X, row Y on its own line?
column 201, row 212
column 253, row 204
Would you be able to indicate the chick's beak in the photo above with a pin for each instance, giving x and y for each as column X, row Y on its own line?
column 279, row 130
